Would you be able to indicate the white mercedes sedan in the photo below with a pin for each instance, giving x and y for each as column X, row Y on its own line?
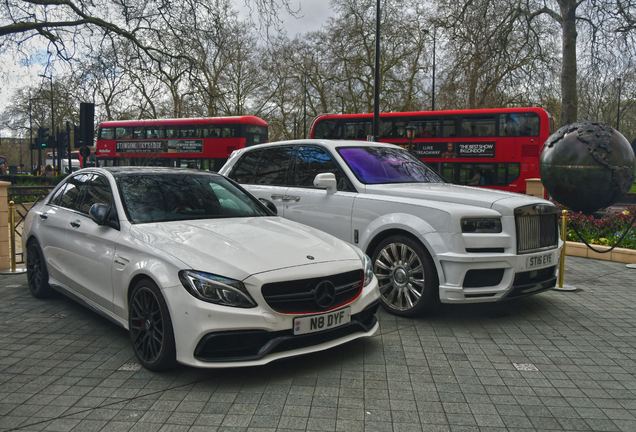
column 429, row 240
column 199, row 271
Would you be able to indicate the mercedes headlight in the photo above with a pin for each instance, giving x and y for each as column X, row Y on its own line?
column 368, row 270
column 216, row 289
column 481, row 225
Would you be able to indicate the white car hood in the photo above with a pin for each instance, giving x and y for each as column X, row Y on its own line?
column 240, row 247
column 444, row 192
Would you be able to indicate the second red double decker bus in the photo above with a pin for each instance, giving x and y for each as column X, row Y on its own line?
column 494, row 148
column 203, row 143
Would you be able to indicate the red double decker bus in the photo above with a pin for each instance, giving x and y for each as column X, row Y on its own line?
column 203, row 143
column 494, row 148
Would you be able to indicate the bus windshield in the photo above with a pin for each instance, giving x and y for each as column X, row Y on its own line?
column 380, row 165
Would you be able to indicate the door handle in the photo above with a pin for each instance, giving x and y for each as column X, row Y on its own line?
column 288, row 198
column 75, row 224
column 277, row 198
column 43, row 216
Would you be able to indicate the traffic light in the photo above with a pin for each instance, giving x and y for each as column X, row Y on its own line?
column 61, row 141
column 43, row 137
column 87, row 124
column 77, row 137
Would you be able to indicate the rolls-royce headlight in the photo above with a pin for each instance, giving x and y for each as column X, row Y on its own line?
column 216, row 289
column 368, row 270
column 481, row 225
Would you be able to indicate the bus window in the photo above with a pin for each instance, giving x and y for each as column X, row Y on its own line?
column 392, row 129
column 138, row 132
column 478, row 127
column 228, row 132
column 385, row 127
column 519, row 124
column 327, row 129
column 426, row 129
column 255, row 134
column 449, row 128
column 171, row 132
column 487, row 174
column 106, row 133
column 358, row 130
column 186, row 132
column 448, row 172
column 153, row 132
column 123, row 133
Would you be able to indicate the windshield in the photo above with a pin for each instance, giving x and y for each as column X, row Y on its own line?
column 376, row 165
column 170, row 197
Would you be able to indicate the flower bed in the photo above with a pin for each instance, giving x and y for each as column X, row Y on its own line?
column 605, row 231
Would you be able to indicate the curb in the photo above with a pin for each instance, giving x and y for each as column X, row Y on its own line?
column 627, row 256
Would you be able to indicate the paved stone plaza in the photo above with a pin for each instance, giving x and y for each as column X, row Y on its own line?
column 556, row 361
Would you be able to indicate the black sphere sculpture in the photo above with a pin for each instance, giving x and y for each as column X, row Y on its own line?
column 587, row 166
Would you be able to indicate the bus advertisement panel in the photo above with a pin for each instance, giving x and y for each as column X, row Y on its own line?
column 204, row 143
column 494, row 148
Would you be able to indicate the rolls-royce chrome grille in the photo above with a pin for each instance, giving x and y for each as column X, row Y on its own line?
column 537, row 228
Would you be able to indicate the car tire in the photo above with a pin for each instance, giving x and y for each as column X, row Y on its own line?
column 407, row 278
column 37, row 273
column 150, row 327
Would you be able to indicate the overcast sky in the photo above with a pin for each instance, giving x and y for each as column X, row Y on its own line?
column 314, row 12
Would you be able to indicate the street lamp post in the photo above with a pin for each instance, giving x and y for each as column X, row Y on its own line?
column 376, row 89
column 433, row 92
column 31, row 131
column 433, row 89
column 305, row 95
column 52, row 120
column 618, row 115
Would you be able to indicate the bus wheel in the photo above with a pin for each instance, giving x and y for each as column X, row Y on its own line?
column 406, row 276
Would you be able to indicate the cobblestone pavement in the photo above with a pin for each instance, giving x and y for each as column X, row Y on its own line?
column 555, row 361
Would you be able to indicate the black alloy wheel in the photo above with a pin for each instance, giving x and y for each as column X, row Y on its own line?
column 37, row 274
column 406, row 275
column 150, row 327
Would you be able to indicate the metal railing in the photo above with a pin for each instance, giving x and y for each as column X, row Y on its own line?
column 24, row 198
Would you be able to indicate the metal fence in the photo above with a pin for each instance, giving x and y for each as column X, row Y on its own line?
column 24, row 198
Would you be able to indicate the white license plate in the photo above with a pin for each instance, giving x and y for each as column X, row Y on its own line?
column 326, row 321
column 543, row 260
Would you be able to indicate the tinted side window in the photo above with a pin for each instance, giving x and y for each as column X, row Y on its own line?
column 312, row 161
column 72, row 196
column 274, row 166
column 97, row 192
column 245, row 169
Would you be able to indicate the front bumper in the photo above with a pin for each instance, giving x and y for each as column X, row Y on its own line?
column 262, row 334
column 252, row 345
column 491, row 277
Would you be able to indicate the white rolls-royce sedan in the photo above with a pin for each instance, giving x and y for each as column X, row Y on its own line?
column 429, row 240
column 199, row 271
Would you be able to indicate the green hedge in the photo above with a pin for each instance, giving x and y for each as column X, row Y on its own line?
column 29, row 180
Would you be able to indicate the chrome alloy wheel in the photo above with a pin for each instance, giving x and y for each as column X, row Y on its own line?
column 401, row 277
column 146, row 325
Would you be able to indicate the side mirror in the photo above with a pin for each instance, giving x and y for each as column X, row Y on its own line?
column 326, row 181
column 270, row 205
column 103, row 215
